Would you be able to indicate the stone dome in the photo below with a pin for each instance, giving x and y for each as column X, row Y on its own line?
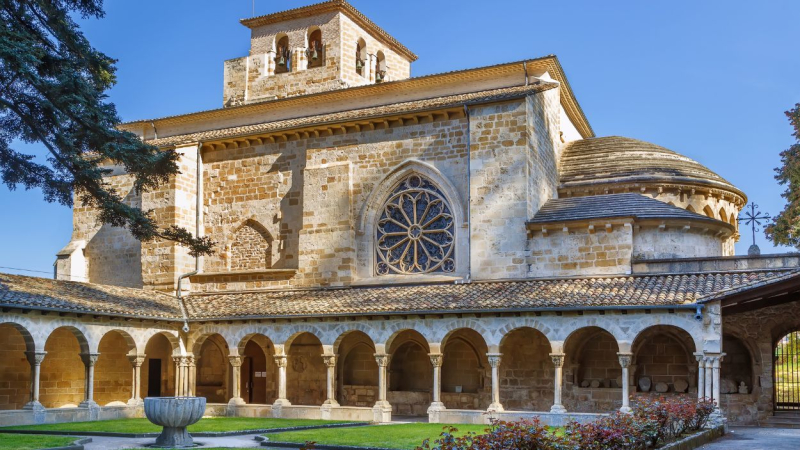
column 617, row 160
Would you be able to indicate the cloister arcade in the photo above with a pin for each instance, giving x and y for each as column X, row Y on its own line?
column 402, row 366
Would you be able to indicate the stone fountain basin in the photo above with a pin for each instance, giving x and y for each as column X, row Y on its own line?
column 174, row 414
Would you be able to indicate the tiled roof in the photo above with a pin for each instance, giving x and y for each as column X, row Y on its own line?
column 612, row 206
column 570, row 293
column 616, row 159
column 47, row 294
column 345, row 116
column 650, row 290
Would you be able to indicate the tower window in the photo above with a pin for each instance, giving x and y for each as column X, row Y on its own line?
column 361, row 57
column 315, row 51
column 283, row 56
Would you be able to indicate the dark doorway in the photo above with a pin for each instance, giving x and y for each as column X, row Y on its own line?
column 154, row 378
column 787, row 372
column 254, row 374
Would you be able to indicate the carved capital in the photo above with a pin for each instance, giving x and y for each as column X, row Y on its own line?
column 625, row 359
column 282, row 361
column 494, row 359
column 436, row 359
column 89, row 359
column 35, row 358
column 136, row 360
column 329, row 360
column 236, row 360
column 558, row 359
column 382, row 360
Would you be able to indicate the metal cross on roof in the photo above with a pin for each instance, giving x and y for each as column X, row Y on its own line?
column 754, row 218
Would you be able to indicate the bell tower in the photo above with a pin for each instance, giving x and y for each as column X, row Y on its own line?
column 316, row 48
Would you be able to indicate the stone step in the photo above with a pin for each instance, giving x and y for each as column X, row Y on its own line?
column 774, row 424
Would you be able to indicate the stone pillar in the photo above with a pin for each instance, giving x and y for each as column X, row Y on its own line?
column 136, row 388
column 282, row 362
column 701, row 375
column 709, row 380
column 35, row 360
column 330, row 363
column 382, row 411
column 716, row 362
column 436, row 393
column 236, row 382
column 191, row 368
column 89, row 360
column 625, row 362
column 494, row 361
column 181, row 376
column 558, row 362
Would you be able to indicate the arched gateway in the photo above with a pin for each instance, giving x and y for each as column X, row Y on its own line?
column 786, row 366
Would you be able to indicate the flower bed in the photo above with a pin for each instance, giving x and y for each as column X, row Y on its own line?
column 652, row 423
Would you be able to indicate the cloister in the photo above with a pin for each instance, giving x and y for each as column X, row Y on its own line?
column 450, row 369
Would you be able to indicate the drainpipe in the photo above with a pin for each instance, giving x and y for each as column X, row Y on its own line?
column 469, row 200
column 155, row 131
column 525, row 69
column 198, row 222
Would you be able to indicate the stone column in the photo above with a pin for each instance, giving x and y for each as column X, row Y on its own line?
column 35, row 360
column 382, row 411
column 191, row 368
column 236, row 382
column 701, row 375
column 180, row 376
column 330, row 363
column 436, row 393
column 709, row 380
column 89, row 360
column 716, row 362
column 136, row 388
column 494, row 361
column 558, row 362
column 282, row 362
column 625, row 362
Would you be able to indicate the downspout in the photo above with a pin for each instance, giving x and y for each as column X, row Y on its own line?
column 155, row 131
column 469, row 200
column 198, row 222
column 525, row 69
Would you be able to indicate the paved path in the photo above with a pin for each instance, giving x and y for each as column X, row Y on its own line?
column 109, row 443
column 741, row 438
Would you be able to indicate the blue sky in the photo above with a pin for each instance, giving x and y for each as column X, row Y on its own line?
column 708, row 79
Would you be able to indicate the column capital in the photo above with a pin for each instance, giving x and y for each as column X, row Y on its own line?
column 89, row 359
column 436, row 359
column 700, row 357
column 558, row 359
column 35, row 358
column 136, row 360
column 625, row 359
column 329, row 360
column 281, row 360
column 494, row 359
column 382, row 359
column 236, row 360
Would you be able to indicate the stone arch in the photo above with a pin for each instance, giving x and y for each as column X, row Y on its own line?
column 159, row 348
column 283, row 53
column 526, row 322
column 608, row 324
column 27, row 336
column 410, row 373
column 526, row 370
column 664, row 354
column 250, row 247
column 362, row 58
column 213, row 378
column 465, row 370
column 685, row 322
column 394, row 331
column 722, row 216
column 112, row 373
column 709, row 212
column 381, row 70
column 445, row 332
column 172, row 338
column 690, row 208
column 315, row 47
column 16, row 351
column 357, row 377
column 739, row 363
column 591, row 368
column 205, row 331
column 259, row 370
column 306, row 373
column 63, row 372
column 288, row 336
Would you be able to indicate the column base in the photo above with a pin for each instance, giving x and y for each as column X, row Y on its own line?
column 495, row 407
column 382, row 412
column 135, row 402
column 282, row 402
column 558, row 409
column 331, row 402
column 236, row 401
column 91, row 404
column 434, row 410
column 33, row 406
column 626, row 410
column 326, row 410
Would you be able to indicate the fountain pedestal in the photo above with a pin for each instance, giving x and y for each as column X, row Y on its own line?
column 174, row 414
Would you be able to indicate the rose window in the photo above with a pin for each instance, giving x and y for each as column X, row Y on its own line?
column 415, row 231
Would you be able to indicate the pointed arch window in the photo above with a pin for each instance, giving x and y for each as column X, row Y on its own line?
column 415, row 233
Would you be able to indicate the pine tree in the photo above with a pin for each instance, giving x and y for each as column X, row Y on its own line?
column 785, row 227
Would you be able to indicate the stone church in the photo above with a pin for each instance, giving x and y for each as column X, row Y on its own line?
column 457, row 246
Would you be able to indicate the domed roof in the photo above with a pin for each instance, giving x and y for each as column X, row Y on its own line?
column 617, row 159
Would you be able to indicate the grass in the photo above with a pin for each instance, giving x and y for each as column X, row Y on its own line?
column 403, row 436
column 33, row 442
column 208, row 424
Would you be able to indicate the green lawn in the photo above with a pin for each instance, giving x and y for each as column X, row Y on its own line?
column 33, row 442
column 403, row 436
column 208, row 424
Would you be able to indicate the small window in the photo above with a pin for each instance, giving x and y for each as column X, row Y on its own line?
column 361, row 57
column 283, row 56
column 315, row 51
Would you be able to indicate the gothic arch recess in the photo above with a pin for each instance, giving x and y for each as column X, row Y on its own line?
column 250, row 247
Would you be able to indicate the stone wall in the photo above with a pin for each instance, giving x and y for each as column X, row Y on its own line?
column 526, row 372
column 664, row 359
column 113, row 373
column 62, row 376
column 306, row 373
column 15, row 371
column 581, row 251
column 214, row 370
column 658, row 243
